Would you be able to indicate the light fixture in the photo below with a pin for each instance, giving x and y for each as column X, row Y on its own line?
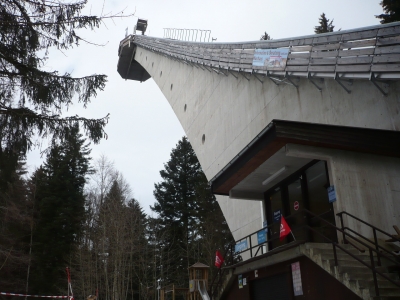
column 273, row 176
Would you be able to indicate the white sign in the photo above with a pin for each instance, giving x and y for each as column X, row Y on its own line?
column 296, row 275
column 274, row 59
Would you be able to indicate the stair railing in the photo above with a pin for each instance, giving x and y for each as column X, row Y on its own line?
column 346, row 232
column 371, row 250
column 235, row 256
column 375, row 229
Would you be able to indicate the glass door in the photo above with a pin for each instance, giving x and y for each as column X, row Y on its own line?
column 276, row 210
column 306, row 189
column 297, row 202
column 317, row 184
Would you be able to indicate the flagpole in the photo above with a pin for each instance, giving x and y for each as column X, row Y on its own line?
column 292, row 235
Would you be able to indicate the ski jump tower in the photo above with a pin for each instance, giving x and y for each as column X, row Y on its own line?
column 283, row 125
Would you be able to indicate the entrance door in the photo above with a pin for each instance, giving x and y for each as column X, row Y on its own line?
column 270, row 288
column 277, row 209
column 305, row 189
column 297, row 201
column 318, row 202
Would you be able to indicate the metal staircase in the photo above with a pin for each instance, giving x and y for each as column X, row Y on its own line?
column 353, row 274
column 363, row 265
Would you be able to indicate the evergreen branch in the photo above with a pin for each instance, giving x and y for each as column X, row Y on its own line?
column 31, row 99
column 23, row 118
column 66, row 22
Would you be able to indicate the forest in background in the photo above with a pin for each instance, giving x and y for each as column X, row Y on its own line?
column 76, row 212
column 80, row 213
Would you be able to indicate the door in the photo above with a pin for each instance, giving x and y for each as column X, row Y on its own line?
column 307, row 189
column 270, row 288
column 276, row 210
column 318, row 202
column 297, row 202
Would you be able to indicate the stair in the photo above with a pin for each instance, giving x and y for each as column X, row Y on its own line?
column 352, row 273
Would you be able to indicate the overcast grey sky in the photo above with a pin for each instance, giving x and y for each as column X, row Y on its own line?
column 143, row 128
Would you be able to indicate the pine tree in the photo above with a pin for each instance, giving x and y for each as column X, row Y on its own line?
column 60, row 210
column 212, row 227
column 122, row 242
column 15, row 229
column 139, row 258
column 265, row 37
column 32, row 99
column 324, row 25
column 392, row 11
column 186, row 210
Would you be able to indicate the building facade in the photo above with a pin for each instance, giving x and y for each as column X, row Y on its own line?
column 306, row 141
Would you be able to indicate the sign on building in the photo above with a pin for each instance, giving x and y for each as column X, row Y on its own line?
column 296, row 275
column 277, row 216
column 331, row 194
column 262, row 236
column 241, row 246
column 272, row 59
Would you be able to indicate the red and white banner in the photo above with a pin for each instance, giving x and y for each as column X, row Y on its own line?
column 219, row 259
column 35, row 296
column 285, row 229
column 69, row 284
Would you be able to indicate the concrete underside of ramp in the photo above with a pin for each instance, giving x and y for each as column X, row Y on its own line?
column 222, row 114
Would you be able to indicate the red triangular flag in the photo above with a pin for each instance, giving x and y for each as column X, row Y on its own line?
column 285, row 229
column 219, row 259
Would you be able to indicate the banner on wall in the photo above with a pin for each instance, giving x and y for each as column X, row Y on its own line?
column 272, row 59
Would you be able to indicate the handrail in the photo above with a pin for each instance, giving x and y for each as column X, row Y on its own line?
column 368, row 224
column 230, row 249
column 186, row 35
column 380, row 248
column 374, row 230
column 373, row 251
column 363, row 53
column 371, row 267
column 270, row 226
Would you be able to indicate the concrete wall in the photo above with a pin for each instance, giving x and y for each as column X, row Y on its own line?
column 246, row 215
column 221, row 115
column 367, row 186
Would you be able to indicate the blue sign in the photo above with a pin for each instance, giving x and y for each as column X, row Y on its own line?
column 262, row 236
column 277, row 216
column 331, row 194
column 239, row 247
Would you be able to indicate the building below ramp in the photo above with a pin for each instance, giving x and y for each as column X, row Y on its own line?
column 283, row 125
